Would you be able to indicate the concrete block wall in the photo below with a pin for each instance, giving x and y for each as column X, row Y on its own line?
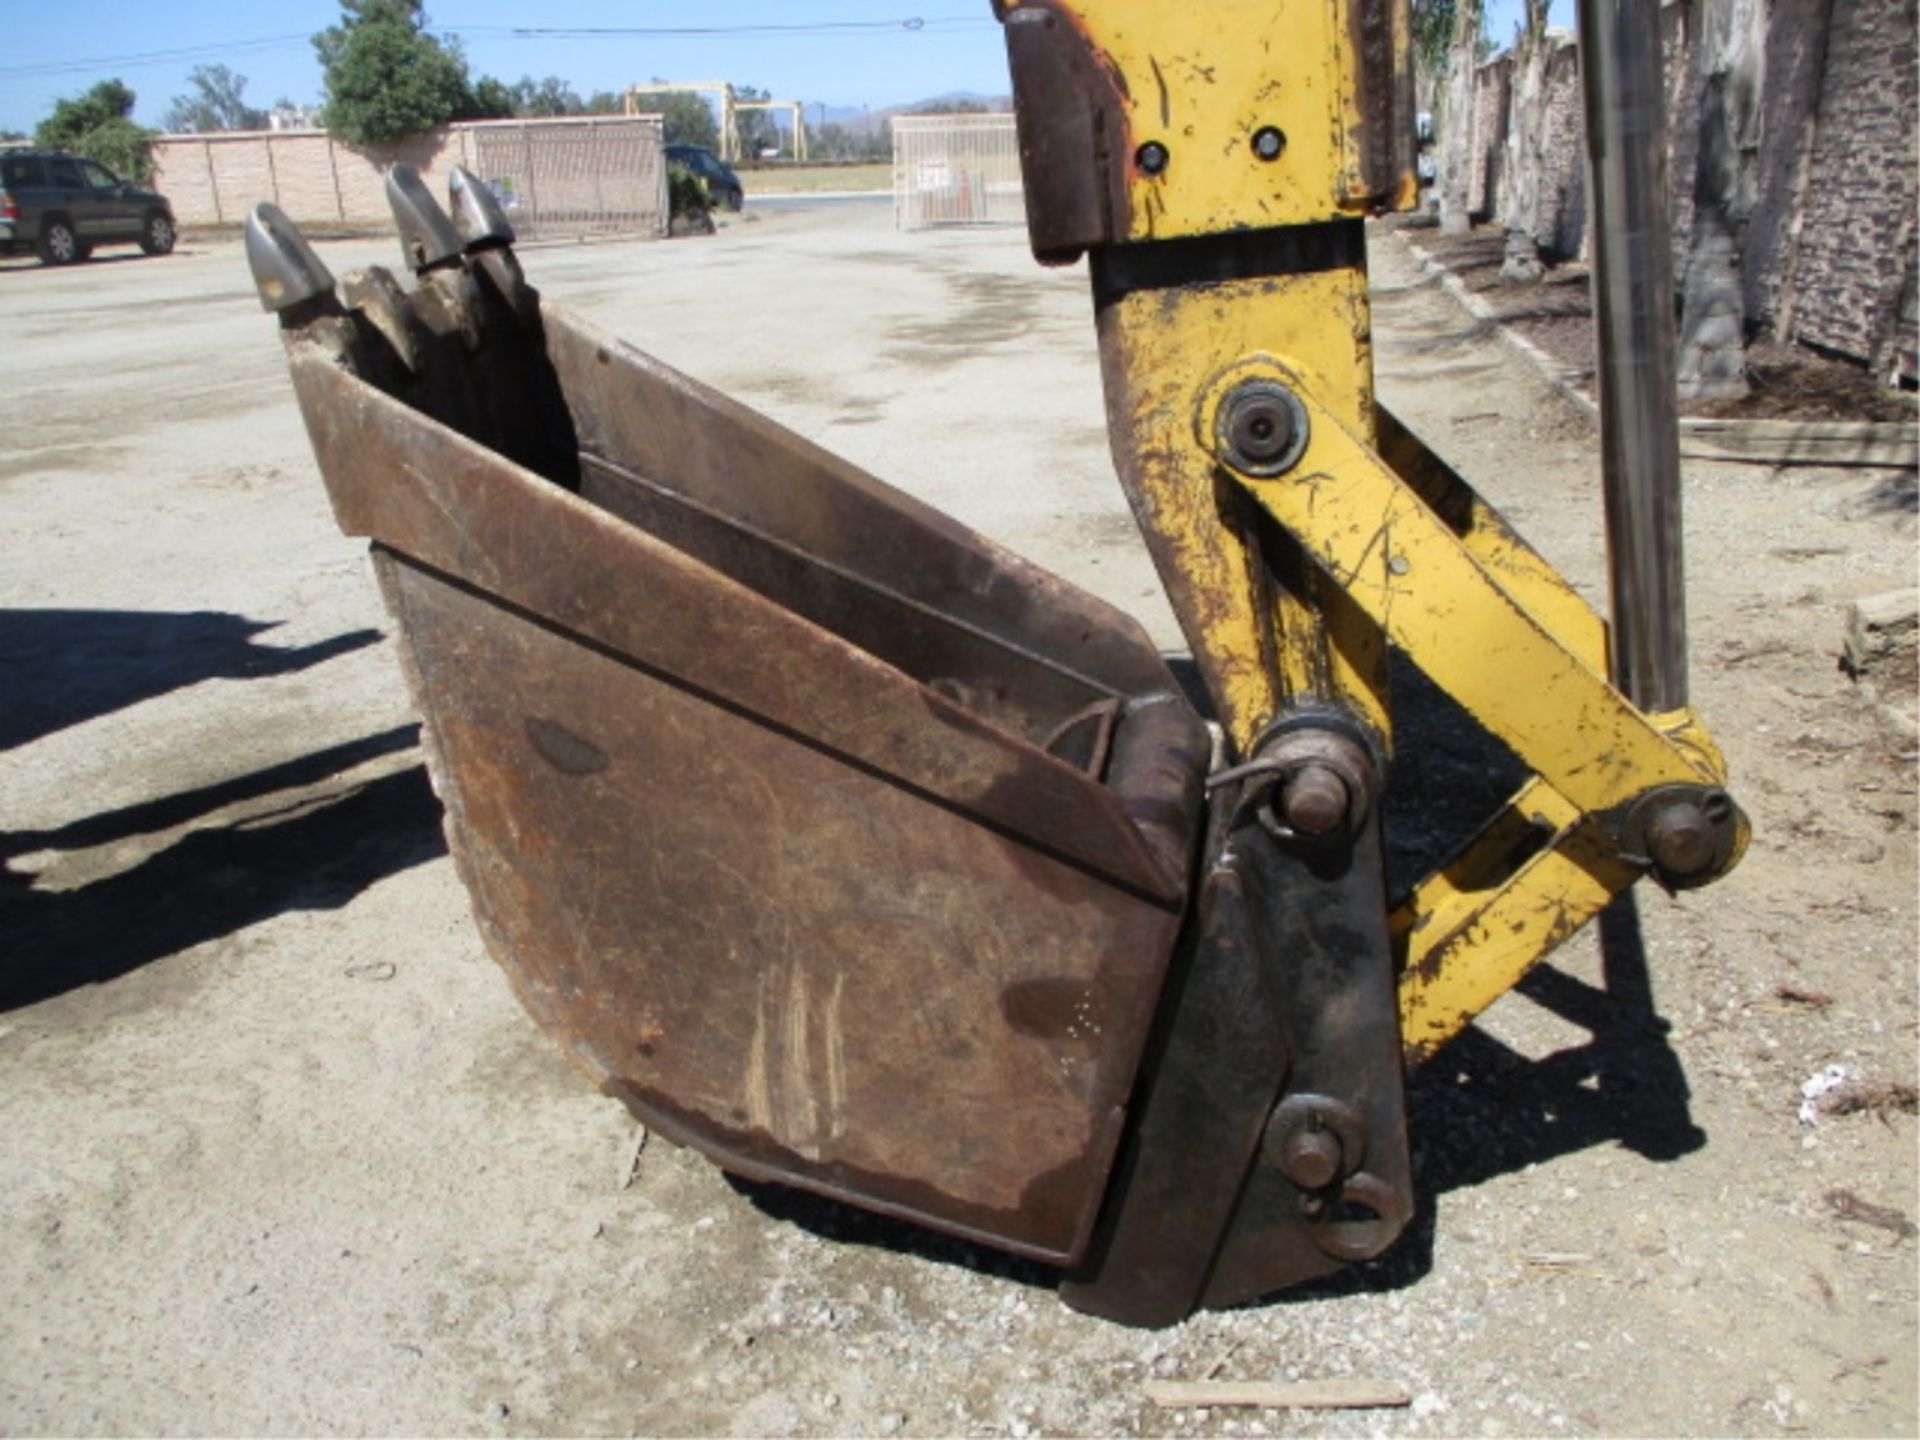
column 1563, row 189
column 598, row 167
column 215, row 179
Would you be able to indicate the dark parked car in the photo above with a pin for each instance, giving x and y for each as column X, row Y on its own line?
column 61, row 206
column 722, row 184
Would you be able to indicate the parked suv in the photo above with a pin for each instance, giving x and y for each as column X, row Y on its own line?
column 722, row 184
column 61, row 206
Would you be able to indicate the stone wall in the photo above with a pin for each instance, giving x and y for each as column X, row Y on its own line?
column 1492, row 104
column 1563, row 188
column 1831, row 254
column 1855, row 256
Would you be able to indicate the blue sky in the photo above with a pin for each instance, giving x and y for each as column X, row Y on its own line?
column 57, row 50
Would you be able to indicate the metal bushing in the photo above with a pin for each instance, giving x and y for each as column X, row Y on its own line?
column 1369, row 1217
column 1260, row 428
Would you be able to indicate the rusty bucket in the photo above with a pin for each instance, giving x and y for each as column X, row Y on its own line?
column 836, row 841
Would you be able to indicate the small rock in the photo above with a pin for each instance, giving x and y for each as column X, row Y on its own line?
column 892, row 1424
column 498, row 1412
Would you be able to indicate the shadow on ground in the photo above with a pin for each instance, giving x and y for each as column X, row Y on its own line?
column 297, row 842
column 64, row 667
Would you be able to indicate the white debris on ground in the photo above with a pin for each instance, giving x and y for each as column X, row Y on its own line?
column 1817, row 1086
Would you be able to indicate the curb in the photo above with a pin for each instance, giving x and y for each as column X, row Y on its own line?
column 1873, row 443
column 1552, row 371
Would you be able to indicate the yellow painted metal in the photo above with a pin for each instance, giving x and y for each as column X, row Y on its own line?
column 1263, row 629
column 1533, row 875
column 1535, row 586
column 1408, row 570
column 1203, row 79
column 1471, row 930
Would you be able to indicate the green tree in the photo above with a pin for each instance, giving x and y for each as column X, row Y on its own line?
column 385, row 77
column 218, row 102
column 490, row 99
column 605, row 102
column 686, row 117
column 99, row 125
column 543, row 98
column 1432, row 34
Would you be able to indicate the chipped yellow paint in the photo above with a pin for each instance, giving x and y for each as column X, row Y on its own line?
column 1516, row 566
column 1201, row 80
column 1466, row 937
column 1292, row 587
column 1260, row 634
column 1413, row 575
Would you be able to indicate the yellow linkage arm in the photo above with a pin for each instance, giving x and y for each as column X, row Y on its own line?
column 1299, row 530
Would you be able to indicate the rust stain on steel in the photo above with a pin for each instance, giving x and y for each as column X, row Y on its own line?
column 836, row 841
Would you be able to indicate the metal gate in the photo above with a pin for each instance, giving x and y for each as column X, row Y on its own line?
column 577, row 175
column 956, row 170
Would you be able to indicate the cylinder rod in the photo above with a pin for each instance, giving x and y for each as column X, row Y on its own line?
column 1633, row 321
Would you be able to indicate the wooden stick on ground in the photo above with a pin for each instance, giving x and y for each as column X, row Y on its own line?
column 1344, row 1394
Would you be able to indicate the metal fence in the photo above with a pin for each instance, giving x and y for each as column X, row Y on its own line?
column 956, row 170
column 576, row 176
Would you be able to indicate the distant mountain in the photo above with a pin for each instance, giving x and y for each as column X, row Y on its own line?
column 861, row 117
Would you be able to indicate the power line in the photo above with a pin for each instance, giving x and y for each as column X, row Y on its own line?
column 909, row 24
column 152, row 57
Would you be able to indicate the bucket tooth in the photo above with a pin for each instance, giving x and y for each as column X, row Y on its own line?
column 427, row 235
column 477, row 213
column 286, row 272
column 489, row 237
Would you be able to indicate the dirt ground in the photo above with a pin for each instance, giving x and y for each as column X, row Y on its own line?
column 282, row 1155
column 1787, row 382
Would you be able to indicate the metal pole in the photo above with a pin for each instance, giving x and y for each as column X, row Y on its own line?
column 1633, row 318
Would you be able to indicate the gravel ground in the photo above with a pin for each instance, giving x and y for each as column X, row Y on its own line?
column 282, row 1154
